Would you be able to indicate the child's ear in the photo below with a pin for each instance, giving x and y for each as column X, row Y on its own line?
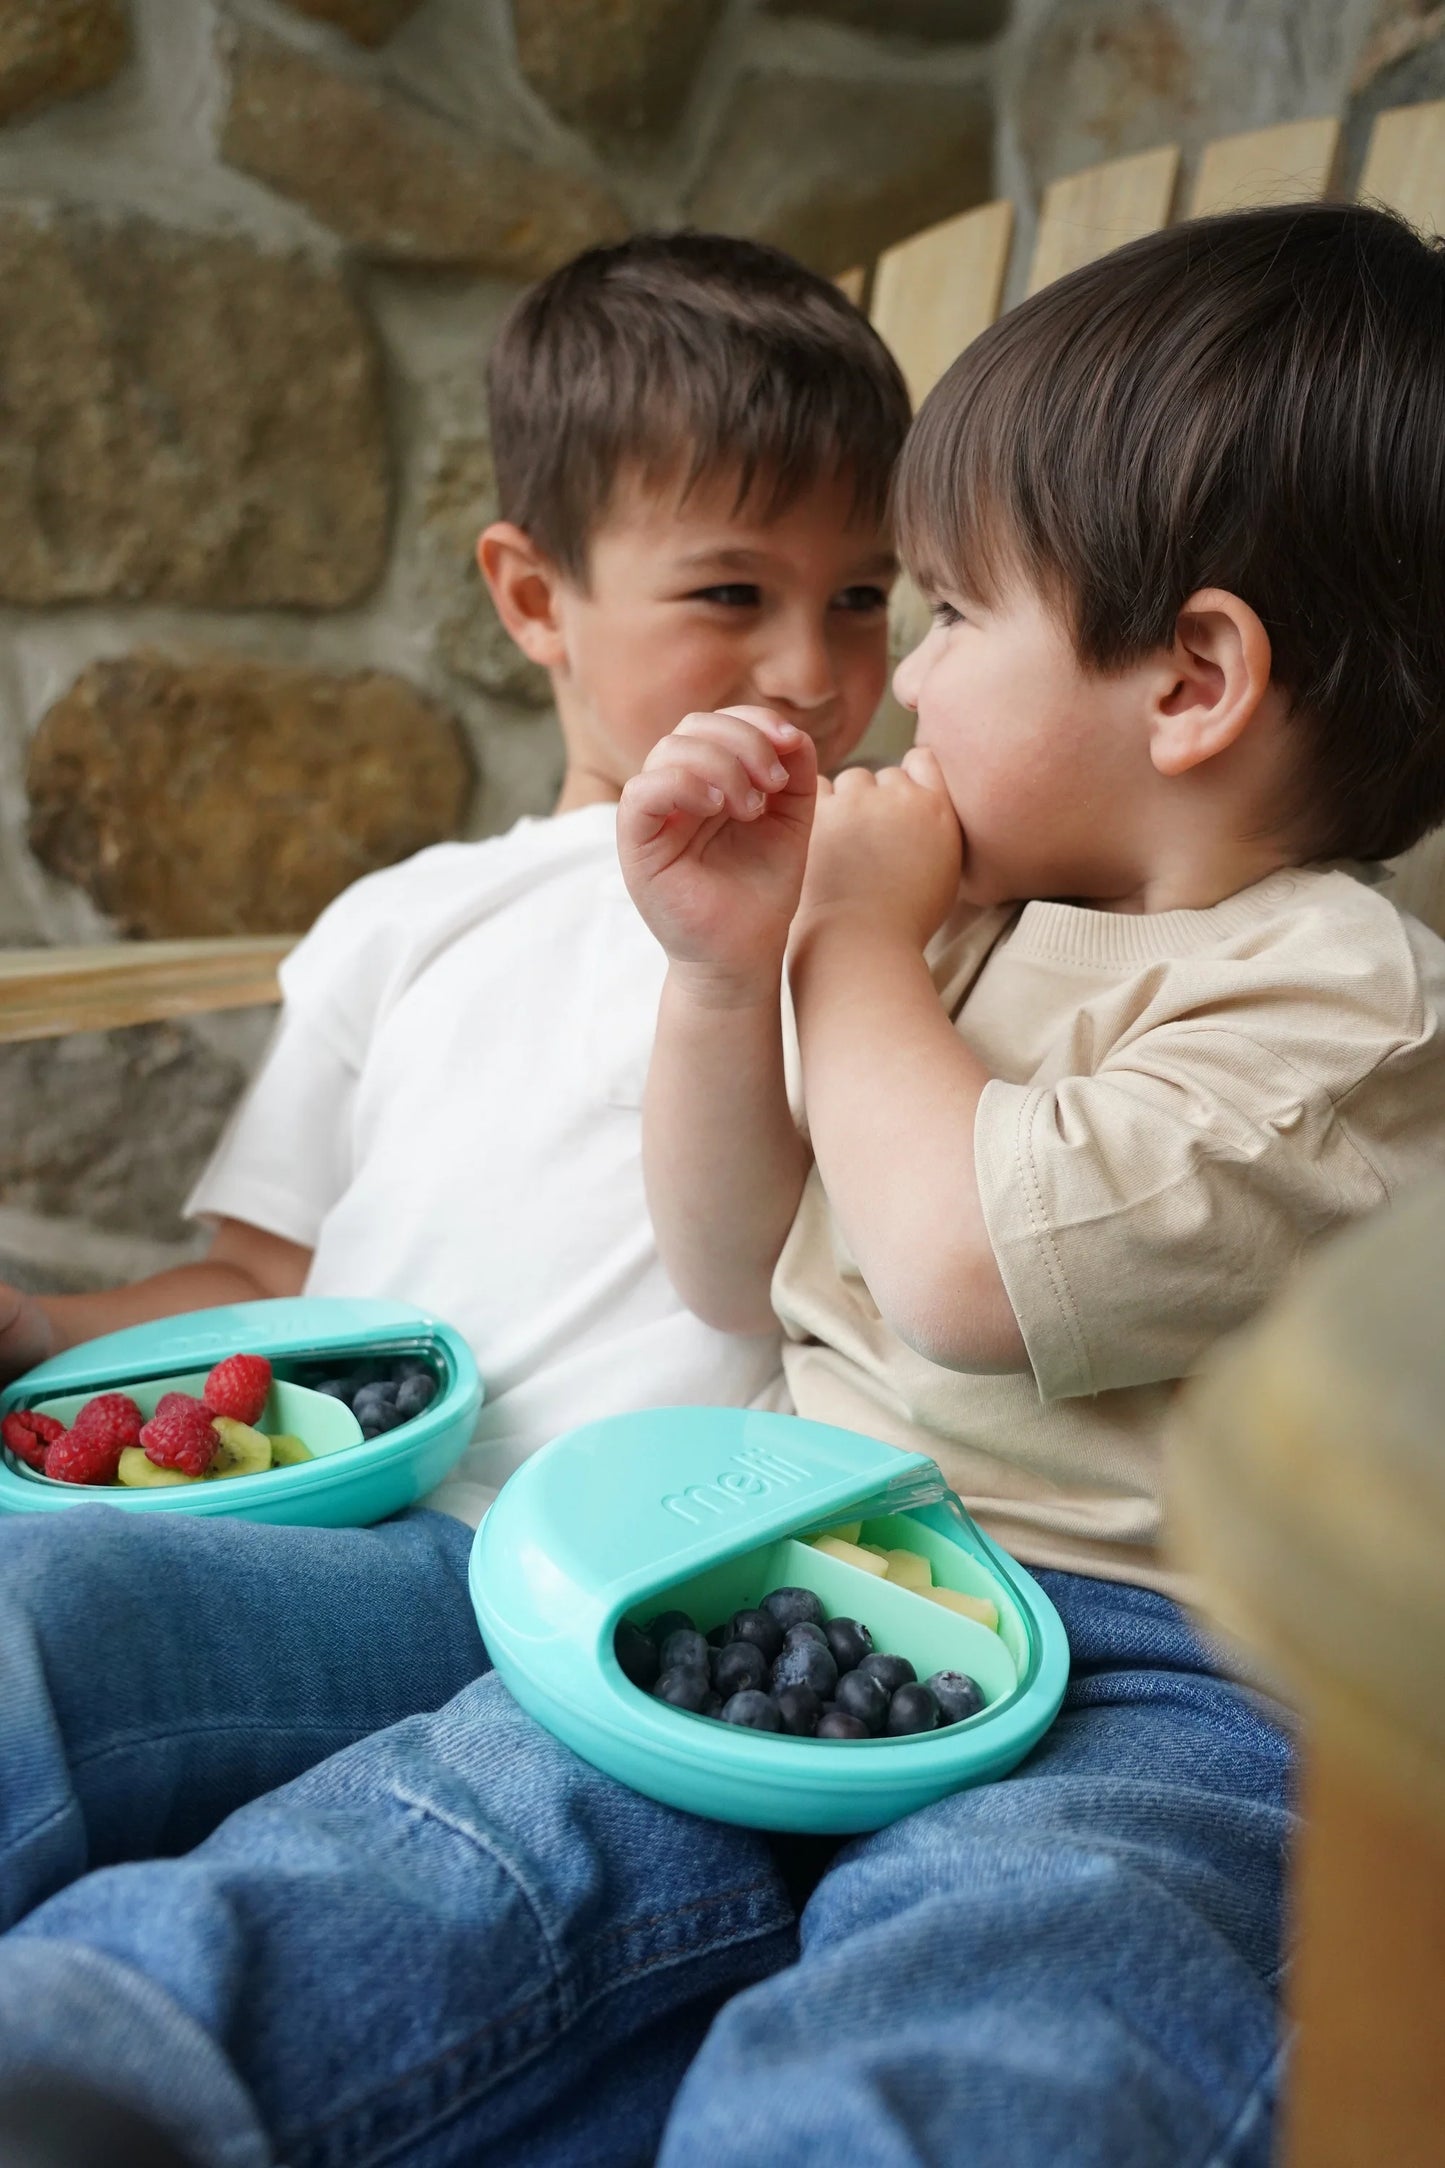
column 525, row 586
column 1211, row 683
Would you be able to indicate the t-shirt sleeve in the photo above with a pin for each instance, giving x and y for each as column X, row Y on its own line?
column 1139, row 1212
column 283, row 1159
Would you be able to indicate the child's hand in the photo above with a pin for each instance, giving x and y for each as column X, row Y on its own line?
column 25, row 1333
column 889, row 844
column 713, row 838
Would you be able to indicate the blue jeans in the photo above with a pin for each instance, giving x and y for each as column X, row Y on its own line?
column 456, row 1942
column 156, row 1675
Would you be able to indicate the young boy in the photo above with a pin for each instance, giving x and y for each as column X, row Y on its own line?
column 693, row 440
column 1182, row 519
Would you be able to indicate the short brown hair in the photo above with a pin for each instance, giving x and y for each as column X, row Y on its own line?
column 1254, row 402
column 685, row 354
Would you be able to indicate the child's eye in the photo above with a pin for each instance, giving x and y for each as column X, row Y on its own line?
column 731, row 594
column 943, row 613
column 862, row 598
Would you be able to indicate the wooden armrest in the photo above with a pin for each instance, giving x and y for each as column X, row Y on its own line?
column 45, row 993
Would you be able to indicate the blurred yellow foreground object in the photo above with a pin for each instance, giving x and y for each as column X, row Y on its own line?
column 1308, row 1497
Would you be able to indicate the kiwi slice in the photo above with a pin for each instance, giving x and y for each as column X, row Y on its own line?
column 139, row 1473
column 288, row 1451
column 242, row 1451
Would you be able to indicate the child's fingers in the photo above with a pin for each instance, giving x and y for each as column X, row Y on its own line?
column 921, row 766
column 749, row 745
column 652, row 799
column 775, row 728
column 716, row 763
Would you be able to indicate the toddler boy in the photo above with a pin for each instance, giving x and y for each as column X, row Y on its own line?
column 693, row 440
column 1182, row 521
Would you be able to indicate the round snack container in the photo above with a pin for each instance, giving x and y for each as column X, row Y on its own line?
column 349, row 1482
column 706, row 1510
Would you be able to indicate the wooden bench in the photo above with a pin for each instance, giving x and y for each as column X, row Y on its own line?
column 928, row 297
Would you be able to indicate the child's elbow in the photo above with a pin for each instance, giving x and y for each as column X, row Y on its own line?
column 960, row 1317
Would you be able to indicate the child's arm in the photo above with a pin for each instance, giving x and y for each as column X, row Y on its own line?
column 892, row 1091
column 713, row 836
column 244, row 1264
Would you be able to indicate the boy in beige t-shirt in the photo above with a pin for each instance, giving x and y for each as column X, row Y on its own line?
column 1104, row 1023
column 1163, row 731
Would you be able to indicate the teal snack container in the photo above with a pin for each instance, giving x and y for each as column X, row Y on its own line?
column 350, row 1481
column 705, row 1510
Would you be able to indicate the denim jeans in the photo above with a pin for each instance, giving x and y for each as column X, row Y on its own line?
column 455, row 1942
column 155, row 1675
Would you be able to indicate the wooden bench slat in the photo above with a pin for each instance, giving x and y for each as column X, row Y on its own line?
column 1086, row 214
column 1288, row 164
column 938, row 290
column 45, row 993
column 1405, row 164
column 1405, row 169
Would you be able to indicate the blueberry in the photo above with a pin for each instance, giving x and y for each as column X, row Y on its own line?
column 713, row 1705
column 805, row 1630
column 838, row 1724
column 413, row 1366
column 912, row 1708
column 636, row 1653
column 806, row 1663
column 336, row 1388
column 800, row 1709
column 683, row 1689
column 684, row 1649
column 849, row 1640
column 756, row 1712
column 759, row 1627
column 665, row 1623
column 791, row 1606
column 375, row 1416
column 741, row 1664
column 860, row 1694
column 377, row 1395
column 894, row 1671
column 957, row 1695
column 414, row 1394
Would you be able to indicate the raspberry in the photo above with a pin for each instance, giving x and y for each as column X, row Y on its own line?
column 83, row 1456
column 113, row 1417
column 179, row 1435
column 238, row 1387
column 28, row 1434
column 99, row 1435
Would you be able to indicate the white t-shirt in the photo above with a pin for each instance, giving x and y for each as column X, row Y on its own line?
column 450, row 1113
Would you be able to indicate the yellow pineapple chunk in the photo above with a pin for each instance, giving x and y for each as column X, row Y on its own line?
column 979, row 1607
column 910, row 1570
column 850, row 1554
column 847, row 1531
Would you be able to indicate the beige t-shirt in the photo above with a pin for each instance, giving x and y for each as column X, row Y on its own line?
column 1182, row 1105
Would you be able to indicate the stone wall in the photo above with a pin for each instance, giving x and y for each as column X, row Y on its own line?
column 252, row 254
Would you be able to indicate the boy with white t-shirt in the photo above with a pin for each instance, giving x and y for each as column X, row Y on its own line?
column 693, row 439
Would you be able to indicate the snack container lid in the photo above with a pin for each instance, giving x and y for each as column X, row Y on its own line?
column 602, row 1517
column 293, row 1326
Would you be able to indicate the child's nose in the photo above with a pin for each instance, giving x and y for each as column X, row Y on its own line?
column 908, row 677
column 798, row 671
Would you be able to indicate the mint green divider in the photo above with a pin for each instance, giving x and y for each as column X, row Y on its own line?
column 954, row 1567
column 323, row 1424
column 901, row 1622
